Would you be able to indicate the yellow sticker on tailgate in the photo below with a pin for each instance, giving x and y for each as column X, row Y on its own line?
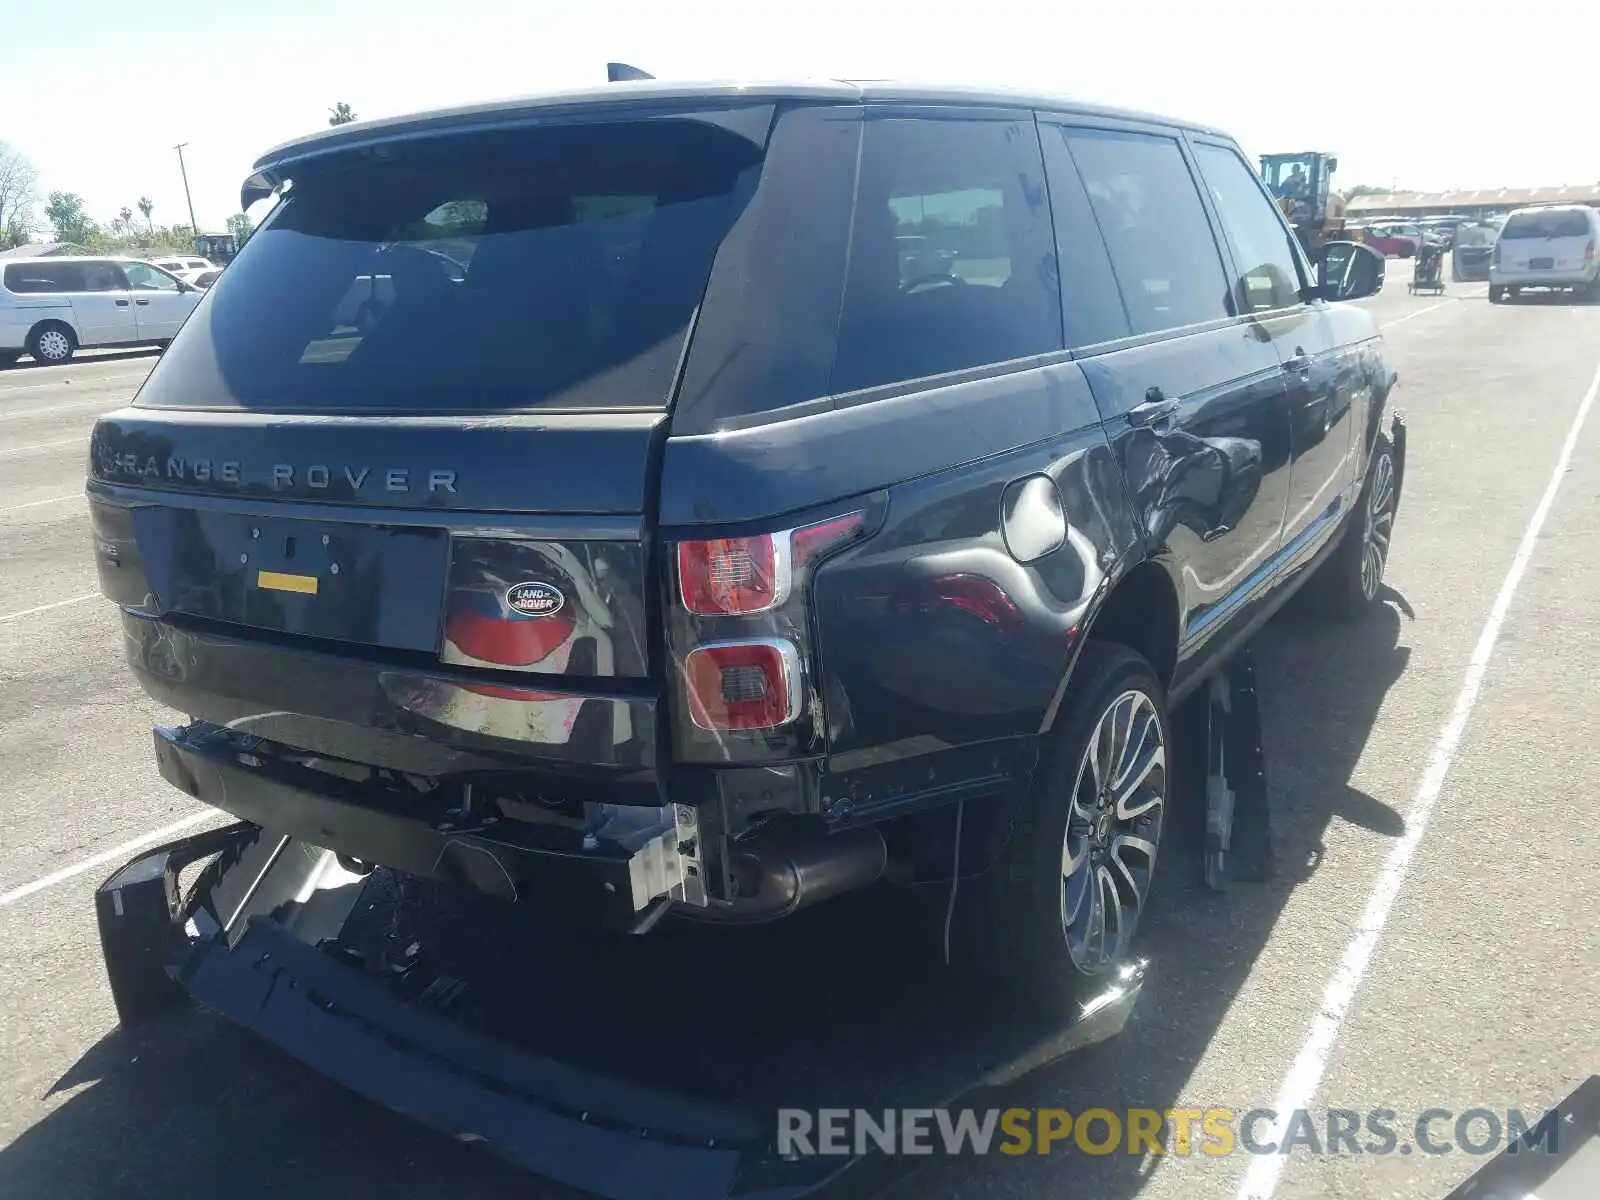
column 280, row 581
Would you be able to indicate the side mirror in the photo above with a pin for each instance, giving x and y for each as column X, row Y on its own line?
column 1348, row 271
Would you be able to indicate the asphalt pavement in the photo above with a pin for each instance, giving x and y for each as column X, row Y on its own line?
column 1475, row 988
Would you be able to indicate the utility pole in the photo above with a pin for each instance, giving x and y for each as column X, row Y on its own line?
column 194, row 229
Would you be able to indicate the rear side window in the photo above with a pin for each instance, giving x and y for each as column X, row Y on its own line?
column 37, row 277
column 952, row 258
column 556, row 267
column 1545, row 225
column 1269, row 277
column 1155, row 227
column 103, row 277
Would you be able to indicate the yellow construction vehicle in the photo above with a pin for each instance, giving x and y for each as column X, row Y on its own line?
column 1301, row 183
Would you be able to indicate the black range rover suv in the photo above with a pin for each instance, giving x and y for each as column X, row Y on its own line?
column 712, row 500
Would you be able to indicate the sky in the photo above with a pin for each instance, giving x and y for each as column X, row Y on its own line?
column 1409, row 93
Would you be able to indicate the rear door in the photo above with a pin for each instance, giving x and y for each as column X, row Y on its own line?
column 101, row 305
column 1194, row 396
column 1317, row 344
column 467, row 475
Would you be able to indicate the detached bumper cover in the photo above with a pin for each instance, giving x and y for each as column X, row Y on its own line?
column 256, row 940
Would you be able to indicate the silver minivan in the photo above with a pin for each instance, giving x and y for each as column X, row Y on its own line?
column 50, row 307
column 1555, row 246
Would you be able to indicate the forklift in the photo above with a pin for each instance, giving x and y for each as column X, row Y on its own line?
column 1300, row 183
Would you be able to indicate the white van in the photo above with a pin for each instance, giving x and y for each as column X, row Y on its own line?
column 49, row 307
column 1553, row 245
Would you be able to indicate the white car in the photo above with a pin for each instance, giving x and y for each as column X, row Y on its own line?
column 1553, row 245
column 186, row 267
column 51, row 307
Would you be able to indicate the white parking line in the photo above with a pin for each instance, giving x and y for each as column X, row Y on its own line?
column 108, row 856
column 1422, row 312
column 39, row 503
column 1300, row 1085
column 28, row 612
column 75, row 441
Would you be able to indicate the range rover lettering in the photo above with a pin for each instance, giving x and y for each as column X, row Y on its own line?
column 744, row 495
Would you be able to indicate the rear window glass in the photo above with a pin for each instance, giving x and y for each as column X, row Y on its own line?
column 548, row 268
column 24, row 278
column 1545, row 225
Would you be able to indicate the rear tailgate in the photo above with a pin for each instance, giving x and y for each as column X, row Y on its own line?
column 449, row 477
column 390, row 534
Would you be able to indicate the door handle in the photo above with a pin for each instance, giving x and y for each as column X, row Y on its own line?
column 141, row 302
column 1157, row 409
column 121, row 303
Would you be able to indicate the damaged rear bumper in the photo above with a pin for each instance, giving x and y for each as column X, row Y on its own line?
column 629, row 859
column 257, row 939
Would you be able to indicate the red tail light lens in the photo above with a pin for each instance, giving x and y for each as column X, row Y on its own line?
column 739, row 577
column 734, row 576
column 743, row 685
column 1588, row 251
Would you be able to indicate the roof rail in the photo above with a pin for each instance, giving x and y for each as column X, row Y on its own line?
column 616, row 72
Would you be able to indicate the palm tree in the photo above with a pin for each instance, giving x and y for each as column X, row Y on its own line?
column 145, row 206
column 126, row 217
column 341, row 114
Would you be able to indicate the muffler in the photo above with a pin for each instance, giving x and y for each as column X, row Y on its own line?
column 790, row 867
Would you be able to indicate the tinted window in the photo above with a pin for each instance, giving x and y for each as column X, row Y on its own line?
column 1155, row 227
column 1545, row 225
column 45, row 277
column 1091, row 304
column 952, row 262
column 514, row 269
column 103, row 277
column 1269, row 277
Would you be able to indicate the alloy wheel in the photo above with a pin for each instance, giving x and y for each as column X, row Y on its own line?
column 54, row 345
column 1108, row 855
column 1378, row 524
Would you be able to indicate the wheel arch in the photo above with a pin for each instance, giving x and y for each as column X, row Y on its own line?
column 65, row 322
column 1138, row 608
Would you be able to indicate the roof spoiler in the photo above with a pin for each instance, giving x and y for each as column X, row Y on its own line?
column 617, row 72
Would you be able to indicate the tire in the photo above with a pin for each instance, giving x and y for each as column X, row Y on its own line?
column 1349, row 583
column 1497, row 293
column 52, row 343
column 1026, row 936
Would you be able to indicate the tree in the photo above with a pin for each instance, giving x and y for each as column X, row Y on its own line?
column 19, row 197
column 341, row 114
column 125, row 219
column 147, row 206
column 66, row 214
column 239, row 226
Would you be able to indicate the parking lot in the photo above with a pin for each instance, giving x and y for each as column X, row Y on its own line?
column 1479, row 992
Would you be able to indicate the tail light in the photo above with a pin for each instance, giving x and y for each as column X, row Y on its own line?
column 1495, row 256
column 744, row 576
column 743, row 685
column 1588, row 251
column 754, row 680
